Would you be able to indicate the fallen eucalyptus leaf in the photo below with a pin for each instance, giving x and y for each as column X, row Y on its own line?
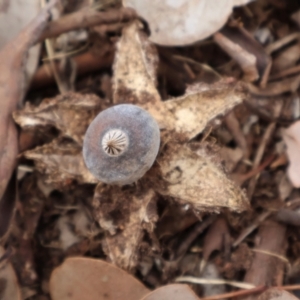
column 291, row 137
column 12, row 57
column 13, row 18
column 85, row 278
column 172, row 292
column 12, row 90
column 276, row 294
column 9, row 286
column 182, row 22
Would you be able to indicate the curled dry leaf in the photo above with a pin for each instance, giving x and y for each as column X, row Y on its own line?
column 172, row 292
column 125, row 215
column 291, row 137
column 13, row 18
column 12, row 57
column 9, row 287
column 84, row 278
column 183, row 22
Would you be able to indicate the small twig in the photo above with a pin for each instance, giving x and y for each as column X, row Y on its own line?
column 182, row 249
column 233, row 126
column 288, row 287
column 245, row 59
column 51, row 54
column 86, row 18
column 255, row 290
column 282, row 42
column 241, row 178
column 85, row 63
column 261, row 149
column 252, row 227
column 286, row 72
column 204, row 67
column 66, row 54
column 288, row 216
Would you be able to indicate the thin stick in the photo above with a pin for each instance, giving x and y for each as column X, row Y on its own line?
column 86, row 18
column 261, row 149
column 240, row 293
column 182, row 249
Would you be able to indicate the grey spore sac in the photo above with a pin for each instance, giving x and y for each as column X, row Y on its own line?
column 121, row 144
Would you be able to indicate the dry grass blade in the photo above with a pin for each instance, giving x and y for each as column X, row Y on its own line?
column 190, row 279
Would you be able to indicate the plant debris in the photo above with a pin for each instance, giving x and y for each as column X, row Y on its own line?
column 217, row 214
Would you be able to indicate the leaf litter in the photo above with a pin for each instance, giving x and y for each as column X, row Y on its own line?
column 72, row 214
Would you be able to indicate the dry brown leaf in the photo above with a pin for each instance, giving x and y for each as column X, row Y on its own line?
column 172, row 292
column 276, row 294
column 12, row 90
column 290, row 84
column 270, row 248
column 215, row 238
column 9, row 287
column 231, row 157
column 124, row 215
column 183, row 22
column 60, row 162
column 242, row 47
column 7, row 208
column 71, row 113
column 174, row 220
column 197, row 181
column 246, row 60
column 291, row 137
column 12, row 77
column 13, row 18
column 84, row 278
